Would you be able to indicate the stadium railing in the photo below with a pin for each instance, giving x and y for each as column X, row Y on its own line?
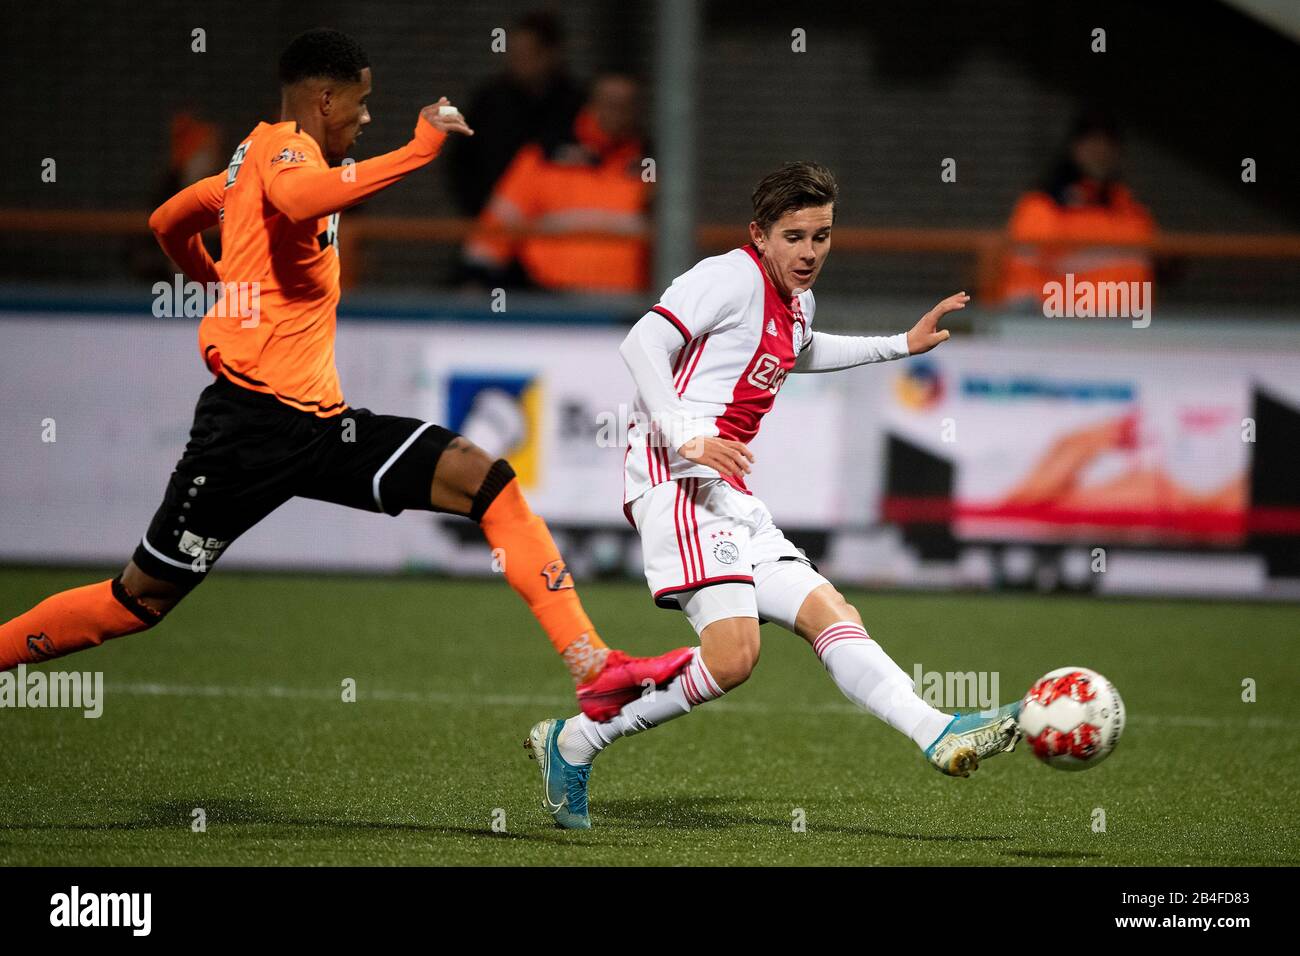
column 985, row 247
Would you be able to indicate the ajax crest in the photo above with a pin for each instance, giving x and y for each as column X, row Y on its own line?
column 724, row 551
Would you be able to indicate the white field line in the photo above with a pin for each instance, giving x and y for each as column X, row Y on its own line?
column 568, row 704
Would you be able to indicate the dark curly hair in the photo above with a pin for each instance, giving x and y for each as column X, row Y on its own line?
column 327, row 54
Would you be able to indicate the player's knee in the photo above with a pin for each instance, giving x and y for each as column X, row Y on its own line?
column 473, row 465
column 148, row 597
column 822, row 608
column 735, row 667
column 731, row 651
column 464, row 475
column 843, row 610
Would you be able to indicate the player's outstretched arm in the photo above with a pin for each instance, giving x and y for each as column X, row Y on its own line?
column 307, row 193
column 832, row 353
column 176, row 225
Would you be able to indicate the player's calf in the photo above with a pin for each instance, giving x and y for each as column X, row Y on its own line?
column 581, row 738
column 860, row 668
column 728, row 652
column 724, row 615
column 869, row 677
column 527, row 555
column 84, row 617
column 468, row 482
column 461, row 482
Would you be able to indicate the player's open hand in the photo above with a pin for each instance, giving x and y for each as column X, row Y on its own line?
column 728, row 458
column 926, row 334
column 447, row 122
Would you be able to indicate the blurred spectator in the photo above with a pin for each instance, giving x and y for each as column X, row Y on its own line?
column 534, row 99
column 589, row 182
column 1083, row 200
column 194, row 151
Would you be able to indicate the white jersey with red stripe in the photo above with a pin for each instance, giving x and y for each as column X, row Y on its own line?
column 740, row 338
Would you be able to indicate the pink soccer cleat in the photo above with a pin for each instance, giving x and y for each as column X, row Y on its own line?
column 623, row 680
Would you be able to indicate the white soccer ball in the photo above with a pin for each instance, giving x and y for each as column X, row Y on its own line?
column 1072, row 718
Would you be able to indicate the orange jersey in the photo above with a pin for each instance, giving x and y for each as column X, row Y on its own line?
column 278, row 205
column 286, row 347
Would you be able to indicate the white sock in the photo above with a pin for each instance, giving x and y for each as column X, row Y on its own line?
column 583, row 738
column 870, row 678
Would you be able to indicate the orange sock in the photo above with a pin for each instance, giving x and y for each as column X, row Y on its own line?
column 532, row 564
column 69, row 621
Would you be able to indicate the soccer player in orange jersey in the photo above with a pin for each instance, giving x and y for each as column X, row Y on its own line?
column 273, row 424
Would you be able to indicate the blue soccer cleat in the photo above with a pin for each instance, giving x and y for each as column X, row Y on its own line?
column 564, row 786
column 968, row 740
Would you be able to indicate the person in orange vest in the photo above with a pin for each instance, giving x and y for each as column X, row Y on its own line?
column 591, row 182
column 1083, row 201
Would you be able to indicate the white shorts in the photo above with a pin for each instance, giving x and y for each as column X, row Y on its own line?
column 701, row 532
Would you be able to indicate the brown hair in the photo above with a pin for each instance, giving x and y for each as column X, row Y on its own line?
column 792, row 187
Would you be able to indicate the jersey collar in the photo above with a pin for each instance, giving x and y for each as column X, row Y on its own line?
column 788, row 303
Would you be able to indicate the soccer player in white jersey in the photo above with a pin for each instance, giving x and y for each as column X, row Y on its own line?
column 708, row 361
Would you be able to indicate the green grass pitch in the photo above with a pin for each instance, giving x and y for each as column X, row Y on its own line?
column 234, row 705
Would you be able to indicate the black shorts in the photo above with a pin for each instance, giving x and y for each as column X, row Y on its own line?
column 250, row 453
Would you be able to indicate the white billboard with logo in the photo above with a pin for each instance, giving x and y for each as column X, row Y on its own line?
column 1048, row 444
column 892, row 473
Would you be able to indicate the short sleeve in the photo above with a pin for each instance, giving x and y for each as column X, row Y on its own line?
column 707, row 297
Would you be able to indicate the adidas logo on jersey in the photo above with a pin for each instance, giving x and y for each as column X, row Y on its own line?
column 771, row 326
